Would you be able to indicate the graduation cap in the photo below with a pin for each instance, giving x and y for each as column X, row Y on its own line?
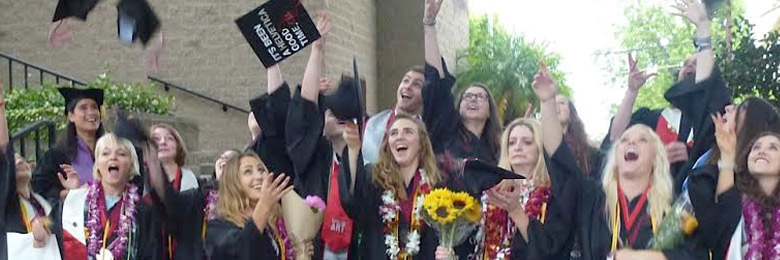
column 73, row 95
column 136, row 20
column 346, row 103
column 473, row 175
column 73, row 8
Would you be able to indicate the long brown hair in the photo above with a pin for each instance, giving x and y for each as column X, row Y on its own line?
column 748, row 184
column 181, row 147
column 577, row 139
column 234, row 204
column 492, row 130
column 540, row 176
column 387, row 172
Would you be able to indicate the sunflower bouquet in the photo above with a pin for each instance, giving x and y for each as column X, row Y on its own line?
column 453, row 214
column 678, row 224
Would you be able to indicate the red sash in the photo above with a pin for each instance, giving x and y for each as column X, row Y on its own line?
column 336, row 225
column 667, row 133
column 72, row 249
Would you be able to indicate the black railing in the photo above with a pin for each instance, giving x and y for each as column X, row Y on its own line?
column 29, row 72
column 168, row 86
column 34, row 134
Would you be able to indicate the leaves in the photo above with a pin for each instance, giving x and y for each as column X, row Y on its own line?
column 506, row 63
column 27, row 105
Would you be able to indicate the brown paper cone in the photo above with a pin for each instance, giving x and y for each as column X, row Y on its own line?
column 301, row 222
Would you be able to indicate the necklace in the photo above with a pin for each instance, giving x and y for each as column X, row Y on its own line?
column 390, row 212
column 97, row 223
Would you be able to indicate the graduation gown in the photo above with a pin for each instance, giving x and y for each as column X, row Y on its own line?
column 6, row 166
column 363, row 207
column 718, row 216
column 227, row 241
column 696, row 101
column 443, row 122
column 44, row 176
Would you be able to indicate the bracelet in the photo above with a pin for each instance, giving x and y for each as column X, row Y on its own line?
column 429, row 21
column 725, row 167
column 702, row 48
column 702, row 41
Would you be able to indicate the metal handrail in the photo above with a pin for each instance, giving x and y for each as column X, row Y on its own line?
column 168, row 85
column 41, row 72
column 34, row 128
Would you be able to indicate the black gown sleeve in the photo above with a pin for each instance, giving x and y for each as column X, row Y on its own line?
column 439, row 113
column 44, row 176
column 8, row 178
column 718, row 216
column 304, row 141
column 227, row 241
column 270, row 111
column 554, row 238
column 355, row 203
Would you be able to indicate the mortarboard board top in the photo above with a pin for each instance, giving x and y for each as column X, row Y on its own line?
column 73, row 95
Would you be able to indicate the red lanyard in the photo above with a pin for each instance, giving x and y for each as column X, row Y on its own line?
column 629, row 220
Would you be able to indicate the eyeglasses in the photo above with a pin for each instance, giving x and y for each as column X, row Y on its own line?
column 477, row 96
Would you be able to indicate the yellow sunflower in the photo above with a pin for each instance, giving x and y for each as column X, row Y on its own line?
column 461, row 201
column 436, row 198
column 474, row 212
column 443, row 214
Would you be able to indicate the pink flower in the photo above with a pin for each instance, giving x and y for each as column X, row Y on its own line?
column 316, row 203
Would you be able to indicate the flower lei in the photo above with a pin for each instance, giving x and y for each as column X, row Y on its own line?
column 289, row 252
column 210, row 211
column 95, row 226
column 497, row 229
column 760, row 244
column 390, row 212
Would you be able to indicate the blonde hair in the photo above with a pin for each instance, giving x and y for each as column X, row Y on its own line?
column 108, row 139
column 386, row 172
column 234, row 204
column 660, row 195
column 540, row 176
column 181, row 148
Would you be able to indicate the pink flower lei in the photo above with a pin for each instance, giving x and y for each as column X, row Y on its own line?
column 95, row 227
column 760, row 244
column 210, row 211
column 289, row 251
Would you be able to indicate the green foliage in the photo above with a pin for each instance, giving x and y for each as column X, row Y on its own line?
column 660, row 40
column 24, row 106
column 753, row 67
column 506, row 63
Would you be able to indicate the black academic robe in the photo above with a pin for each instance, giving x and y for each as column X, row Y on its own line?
column 443, row 122
column 718, row 216
column 554, row 239
column 7, row 179
column 696, row 101
column 363, row 207
column 595, row 232
column 228, row 241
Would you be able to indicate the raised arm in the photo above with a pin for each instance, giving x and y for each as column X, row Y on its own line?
column 311, row 77
column 636, row 79
column 696, row 12
column 275, row 79
column 546, row 88
column 432, row 53
column 726, row 138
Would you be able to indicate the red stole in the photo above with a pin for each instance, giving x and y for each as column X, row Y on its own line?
column 336, row 225
column 407, row 205
column 630, row 217
column 668, row 133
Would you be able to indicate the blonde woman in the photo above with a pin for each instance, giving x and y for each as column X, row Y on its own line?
column 637, row 193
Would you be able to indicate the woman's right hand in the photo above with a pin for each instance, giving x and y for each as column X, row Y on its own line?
column 443, row 253
column 272, row 190
column 72, row 180
column 726, row 138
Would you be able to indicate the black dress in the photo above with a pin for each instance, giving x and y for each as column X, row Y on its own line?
column 696, row 101
column 718, row 217
column 443, row 121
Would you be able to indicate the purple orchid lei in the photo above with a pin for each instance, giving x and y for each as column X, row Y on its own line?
column 288, row 248
column 759, row 247
column 95, row 228
column 211, row 205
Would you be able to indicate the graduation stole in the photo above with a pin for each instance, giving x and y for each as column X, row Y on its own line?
column 39, row 211
column 209, row 212
column 99, row 226
column 631, row 217
column 170, row 245
column 498, row 227
column 391, row 213
column 282, row 239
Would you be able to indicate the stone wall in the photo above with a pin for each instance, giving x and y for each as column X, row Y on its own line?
column 206, row 53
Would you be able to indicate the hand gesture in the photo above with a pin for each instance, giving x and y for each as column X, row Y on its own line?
column 40, row 232
column 636, row 78
column 693, row 10
column 352, row 136
column 677, row 152
column 59, row 33
column 323, row 26
column 726, row 138
column 274, row 187
column 72, row 180
column 508, row 199
column 443, row 253
column 432, row 8
column 325, row 84
column 544, row 85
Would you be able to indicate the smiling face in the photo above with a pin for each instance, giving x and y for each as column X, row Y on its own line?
column 167, row 146
column 688, row 69
column 23, row 171
column 85, row 115
column 250, row 176
column 403, row 140
column 522, row 148
column 409, row 94
column 474, row 104
column 764, row 156
column 635, row 153
column 114, row 163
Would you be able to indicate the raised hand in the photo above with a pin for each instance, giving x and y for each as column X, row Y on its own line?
column 325, row 84
column 72, row 180
column 636, row 78
column 323, row 26
column 693, row 10
column 544, row 85
column 529, row 110
column 352, row 136
column 274, row 187
column 725, row 137
column 59, row 33
column 432, row 8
